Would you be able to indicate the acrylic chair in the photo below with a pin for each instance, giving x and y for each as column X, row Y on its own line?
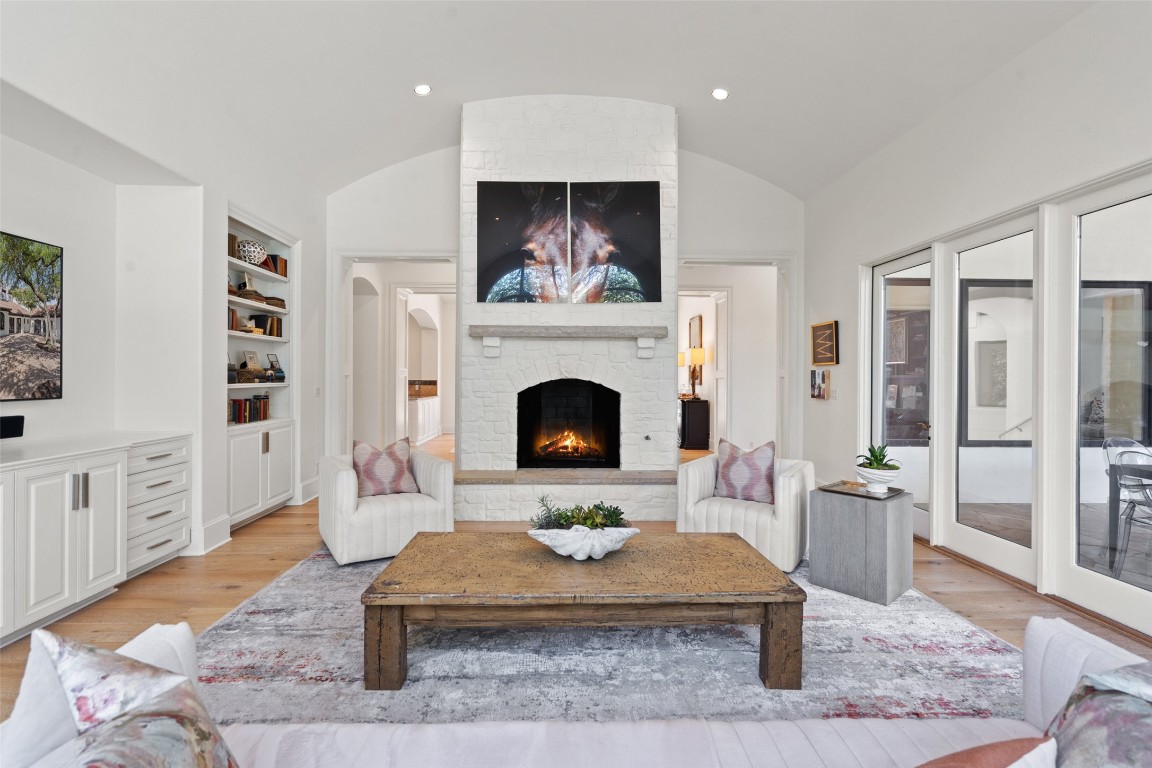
column 1139, row 492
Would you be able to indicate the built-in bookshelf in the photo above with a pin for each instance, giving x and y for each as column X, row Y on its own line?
column 262, row 398
column 259, row 325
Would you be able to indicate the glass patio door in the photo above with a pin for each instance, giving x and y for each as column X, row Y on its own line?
column 987, row 502
column 901, row 391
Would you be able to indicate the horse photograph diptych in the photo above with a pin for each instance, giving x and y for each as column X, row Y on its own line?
column 558, row 242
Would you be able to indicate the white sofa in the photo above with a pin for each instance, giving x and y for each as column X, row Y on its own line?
column 778, row 531
column 1056, row 655
column 359, row 528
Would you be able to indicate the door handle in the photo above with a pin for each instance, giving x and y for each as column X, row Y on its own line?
column 265, row 447
column 84, row 491
column 75, row 491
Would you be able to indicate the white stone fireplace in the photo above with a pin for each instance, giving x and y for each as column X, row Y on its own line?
column 507, row 348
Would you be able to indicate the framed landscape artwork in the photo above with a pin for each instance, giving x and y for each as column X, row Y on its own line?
column 31, row 319
column 562, row 243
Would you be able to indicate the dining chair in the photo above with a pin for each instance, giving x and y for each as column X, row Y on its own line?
column 1138, row 488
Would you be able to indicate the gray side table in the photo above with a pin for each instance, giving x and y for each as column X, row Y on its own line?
column 860, row 546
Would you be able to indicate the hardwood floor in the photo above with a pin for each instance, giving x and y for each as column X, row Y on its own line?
column 200, row 590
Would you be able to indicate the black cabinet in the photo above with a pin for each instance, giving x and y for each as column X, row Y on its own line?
column 694, row 426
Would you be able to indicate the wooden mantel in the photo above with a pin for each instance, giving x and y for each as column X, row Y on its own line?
column 645, row 335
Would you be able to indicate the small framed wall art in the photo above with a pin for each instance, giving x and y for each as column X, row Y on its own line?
column 821, row 383
column 825, row 349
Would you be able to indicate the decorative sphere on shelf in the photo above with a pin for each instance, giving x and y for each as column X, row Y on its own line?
column 251, row 251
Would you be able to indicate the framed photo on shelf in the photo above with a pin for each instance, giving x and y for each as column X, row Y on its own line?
column 891, row 395
column 251, row 360
column 273, row 362
column 825, row 350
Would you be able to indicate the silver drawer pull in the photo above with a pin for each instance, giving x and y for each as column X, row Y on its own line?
column 157, row 546
column 159, row 514
column 157, row 457
column 157, row 485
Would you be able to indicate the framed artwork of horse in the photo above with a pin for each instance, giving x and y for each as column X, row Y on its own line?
column 561, row 243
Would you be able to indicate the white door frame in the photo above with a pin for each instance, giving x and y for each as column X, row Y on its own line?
column 792, row 390
column 338, row 341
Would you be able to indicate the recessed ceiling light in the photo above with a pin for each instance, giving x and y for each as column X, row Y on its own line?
column 719, row 94
column 423, row 89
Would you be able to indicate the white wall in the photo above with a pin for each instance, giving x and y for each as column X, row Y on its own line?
column 46, row 199
column 367, row 423
column 725, row 211
column 1075, row 107
column 412, row 206
column 230, row 165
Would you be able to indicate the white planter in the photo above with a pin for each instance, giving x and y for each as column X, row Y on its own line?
column 581, row 543
column 877, row 479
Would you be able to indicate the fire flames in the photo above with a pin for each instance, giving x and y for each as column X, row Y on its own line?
column 569, row 445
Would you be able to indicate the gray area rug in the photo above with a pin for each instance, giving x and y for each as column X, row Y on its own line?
column 294, row 653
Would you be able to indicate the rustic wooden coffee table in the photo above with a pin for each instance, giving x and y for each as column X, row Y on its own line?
column 510, row 580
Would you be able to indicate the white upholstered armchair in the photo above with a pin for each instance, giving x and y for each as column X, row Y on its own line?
column 371, row 527
column 778, row 531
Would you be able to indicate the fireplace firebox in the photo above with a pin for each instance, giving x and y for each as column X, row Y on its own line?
column 568, row 423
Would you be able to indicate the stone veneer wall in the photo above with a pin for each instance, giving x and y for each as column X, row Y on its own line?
column 566, row 138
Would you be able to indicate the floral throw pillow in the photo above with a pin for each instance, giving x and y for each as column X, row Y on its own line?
column 1107, row 720
column 746, row 475
column 130, row 713
column 380, row 472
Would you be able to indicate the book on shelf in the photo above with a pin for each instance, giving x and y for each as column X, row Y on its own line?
column 233, row 319
column 271, row 325
column 248, row 410
column 232, row 240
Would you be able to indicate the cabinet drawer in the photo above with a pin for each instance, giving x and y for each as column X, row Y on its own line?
column 157, row 544
column 158, row 483
column 142, row 458
column 151, row 515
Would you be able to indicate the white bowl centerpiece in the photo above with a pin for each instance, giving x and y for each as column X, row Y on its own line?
column 877, row 470
column 581, row 532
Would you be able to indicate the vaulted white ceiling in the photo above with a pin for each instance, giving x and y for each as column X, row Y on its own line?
column 326, row 87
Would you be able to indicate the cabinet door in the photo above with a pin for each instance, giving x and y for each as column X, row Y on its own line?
column 7, row 552
column 45, row 541
column 244, row 462
column 101, row 524
column 277, row 460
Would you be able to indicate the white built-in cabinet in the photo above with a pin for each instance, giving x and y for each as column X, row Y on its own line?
column 70, row 526
column 262, row 452
column 423, row 419
column 260, row 468
column 64, row 537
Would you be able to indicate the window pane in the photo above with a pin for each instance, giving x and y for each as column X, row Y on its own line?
column 1115, row 509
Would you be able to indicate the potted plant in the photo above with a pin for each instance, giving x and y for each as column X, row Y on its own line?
column 876, row 470
column 581, row 532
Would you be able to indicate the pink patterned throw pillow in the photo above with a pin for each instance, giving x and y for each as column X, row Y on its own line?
column 746, row 476
column 379, row 472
